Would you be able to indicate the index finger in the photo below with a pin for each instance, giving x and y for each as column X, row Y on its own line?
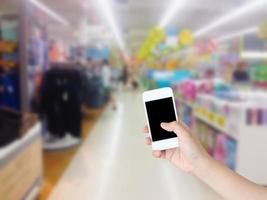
column 145, row 129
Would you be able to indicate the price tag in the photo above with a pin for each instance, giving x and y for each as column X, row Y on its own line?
column 221, row 121
column 198, row 110
column 212, row 117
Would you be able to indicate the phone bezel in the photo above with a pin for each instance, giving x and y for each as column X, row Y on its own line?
column 157, row 94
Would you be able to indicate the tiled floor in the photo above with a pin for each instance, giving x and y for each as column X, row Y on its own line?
column 114, row 163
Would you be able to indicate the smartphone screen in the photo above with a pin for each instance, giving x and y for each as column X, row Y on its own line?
column 158, row 111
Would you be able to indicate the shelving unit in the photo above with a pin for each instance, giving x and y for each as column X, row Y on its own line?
column 214, row 125
column 230, row 118
column 21, row 166
column 184, row 109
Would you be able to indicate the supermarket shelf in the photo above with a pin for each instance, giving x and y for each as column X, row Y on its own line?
column 27, row 154
column 187, row 103
column 215, row 126
column 14, row 147
column 34, row 191
column 229, row 118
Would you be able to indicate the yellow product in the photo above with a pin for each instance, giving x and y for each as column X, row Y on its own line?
column 185, row 37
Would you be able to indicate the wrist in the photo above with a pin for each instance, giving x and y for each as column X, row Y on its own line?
column 202, row 165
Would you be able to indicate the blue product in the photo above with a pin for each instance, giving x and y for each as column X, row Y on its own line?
column 150, row 74
column 187, row 115
column 37, row 52
column 167, row 78
column 10, row 56
column 230, row 159
column 9, row 92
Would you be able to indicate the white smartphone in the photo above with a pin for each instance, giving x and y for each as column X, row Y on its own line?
column 160, row 107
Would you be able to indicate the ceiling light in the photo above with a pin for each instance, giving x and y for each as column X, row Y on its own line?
column 253, row 55
column 230, row 16
column 105, row 5
column 176, row 4
column 247, row 31
column 50, row 12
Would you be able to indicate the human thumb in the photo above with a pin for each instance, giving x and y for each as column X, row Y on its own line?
column 177, row 127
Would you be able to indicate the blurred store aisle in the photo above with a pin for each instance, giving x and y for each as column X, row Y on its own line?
column 114, row 163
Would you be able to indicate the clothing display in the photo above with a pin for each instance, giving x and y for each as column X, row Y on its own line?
column 61, row 98
column 94, row 95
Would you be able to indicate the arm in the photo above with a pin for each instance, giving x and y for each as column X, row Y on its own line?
column 227, row 183
column 191, row 157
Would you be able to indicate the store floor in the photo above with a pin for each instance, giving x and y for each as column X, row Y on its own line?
column 114, row 163
column 55, row 162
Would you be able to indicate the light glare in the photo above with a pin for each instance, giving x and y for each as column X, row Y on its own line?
column 105, row 4
column 50, row 12
column 230, row 16
column 177, row 4
column 230, row 36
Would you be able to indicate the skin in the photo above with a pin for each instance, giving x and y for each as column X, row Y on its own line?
column 192, row 158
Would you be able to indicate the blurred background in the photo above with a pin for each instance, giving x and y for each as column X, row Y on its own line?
column 72, row 73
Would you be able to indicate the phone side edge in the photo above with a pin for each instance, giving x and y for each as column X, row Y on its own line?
column 144, row 104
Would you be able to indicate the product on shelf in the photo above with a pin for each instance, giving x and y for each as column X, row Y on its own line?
column 231, row 117
column 230, row 159
column 165, row 78
column 223, row 111
column 189, row 89
column 219, row 145
column 9, row 72
column 229, row 121
column 9, row 90
column 211, row 140
column 9, row 30
column 256, row 116
column 185, row 112
column 260, row 76
column 220, row 149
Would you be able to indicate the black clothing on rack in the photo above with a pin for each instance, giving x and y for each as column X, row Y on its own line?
column 61, row 98
column 94, row 93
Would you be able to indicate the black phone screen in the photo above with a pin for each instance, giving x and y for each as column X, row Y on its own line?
column 158, row 111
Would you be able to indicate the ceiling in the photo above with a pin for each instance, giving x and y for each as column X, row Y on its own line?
column 136, row 17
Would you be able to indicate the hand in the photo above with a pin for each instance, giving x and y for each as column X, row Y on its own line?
column 189, row 153
column 191, row 157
